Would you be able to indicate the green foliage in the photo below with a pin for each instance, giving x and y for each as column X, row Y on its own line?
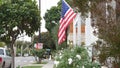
column 47, row 40
column 52, row 18
column 106, row 51
column 107, row 28
column 2, row 44
column 20, row 14
column 38, row 52
column 18, row 17
column 54, row 37
column 82, row 5
column 4, row 1
column 74, row 58
column 106, row 24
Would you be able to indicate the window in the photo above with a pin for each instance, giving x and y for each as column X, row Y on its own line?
column 7, row 52
column 1, row 52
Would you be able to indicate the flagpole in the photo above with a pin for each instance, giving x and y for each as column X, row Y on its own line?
column 66, row 36
column 39, row 39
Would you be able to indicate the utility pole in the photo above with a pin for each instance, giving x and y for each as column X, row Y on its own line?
column 39, row 39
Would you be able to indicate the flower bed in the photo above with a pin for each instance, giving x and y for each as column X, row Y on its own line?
column 74, row 58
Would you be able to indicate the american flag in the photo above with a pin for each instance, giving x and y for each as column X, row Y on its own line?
column 67, row 16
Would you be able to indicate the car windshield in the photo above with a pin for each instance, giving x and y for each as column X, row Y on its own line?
column 1, row 52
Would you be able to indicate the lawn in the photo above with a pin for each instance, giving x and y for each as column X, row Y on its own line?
column 44, row 62
column 32, row 67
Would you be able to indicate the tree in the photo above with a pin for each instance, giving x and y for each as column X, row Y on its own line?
column 107, row 25
column 53, row 15
column 4, row 1
column 52, row 18
column 105, row 19
column 49, row 43
column 82, row 6
column 17, row 17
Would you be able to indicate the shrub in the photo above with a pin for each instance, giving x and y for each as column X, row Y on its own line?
column 74, row 58
column 39, row 53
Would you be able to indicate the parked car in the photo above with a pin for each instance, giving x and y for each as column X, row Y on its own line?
column 5, row 58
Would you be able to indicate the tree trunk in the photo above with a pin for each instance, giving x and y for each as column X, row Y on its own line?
column 13, row 54
column 40, row 60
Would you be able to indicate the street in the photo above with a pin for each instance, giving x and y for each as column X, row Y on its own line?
column 22, row 61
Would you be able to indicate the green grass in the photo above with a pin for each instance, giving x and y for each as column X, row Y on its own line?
column 44, row 62
column 32, row 67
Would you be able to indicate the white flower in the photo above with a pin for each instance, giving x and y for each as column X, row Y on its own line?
column 15, row 28
column 72, row 50
column 93, row 67
column 83, row 67
column 56, row 63
column 70, row 60
column 60, row 57
column 60, row 54
column 78, row 56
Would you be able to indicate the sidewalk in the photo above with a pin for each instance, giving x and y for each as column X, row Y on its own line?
column 50, row 64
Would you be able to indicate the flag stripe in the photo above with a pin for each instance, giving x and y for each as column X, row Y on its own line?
column 63, row 23
column 62, row 37
column 66, row 18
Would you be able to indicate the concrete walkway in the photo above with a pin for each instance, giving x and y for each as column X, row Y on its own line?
column 50, row 64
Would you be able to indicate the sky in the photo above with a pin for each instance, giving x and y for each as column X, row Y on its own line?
column 45, row 5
